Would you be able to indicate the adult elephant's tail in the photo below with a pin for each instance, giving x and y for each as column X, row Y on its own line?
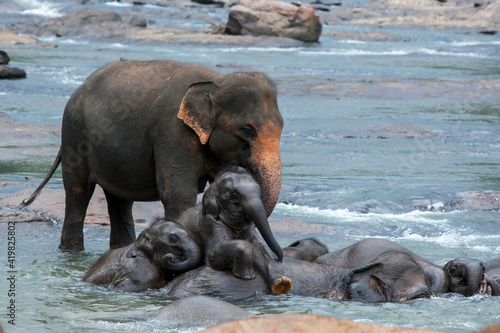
column 53, row 168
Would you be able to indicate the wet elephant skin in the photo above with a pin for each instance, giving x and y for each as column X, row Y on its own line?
column 159, row 130
column 162, row 249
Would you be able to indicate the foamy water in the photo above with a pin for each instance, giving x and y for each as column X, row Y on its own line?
column 40, row 8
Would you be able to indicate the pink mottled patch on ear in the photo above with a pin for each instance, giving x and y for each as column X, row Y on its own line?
column 196, row 109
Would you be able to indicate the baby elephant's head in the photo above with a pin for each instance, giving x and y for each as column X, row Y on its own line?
column 235, row 199
column 169, row 246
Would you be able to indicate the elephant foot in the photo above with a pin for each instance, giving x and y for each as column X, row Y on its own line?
column 282, row 286
column 71, row 248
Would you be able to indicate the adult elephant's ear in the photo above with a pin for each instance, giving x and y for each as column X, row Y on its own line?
column 196, row 109
column 143, row 247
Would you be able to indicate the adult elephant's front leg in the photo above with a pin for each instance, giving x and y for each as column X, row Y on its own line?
column 233, row 254
column 121, row 221
column 176, row 197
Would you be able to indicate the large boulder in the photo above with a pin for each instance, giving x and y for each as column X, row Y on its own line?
column 490, row 14
column 274, row 18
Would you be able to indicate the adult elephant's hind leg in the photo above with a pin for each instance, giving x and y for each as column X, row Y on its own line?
column 121, row 220
column 77, row 201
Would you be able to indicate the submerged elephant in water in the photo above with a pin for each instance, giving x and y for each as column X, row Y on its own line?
column 372, row 249
column 307, row 249
column 223, row 226
column 199, row 311
column 150, row 262
column 472, row 276
column 391, row 278
column 159, row 130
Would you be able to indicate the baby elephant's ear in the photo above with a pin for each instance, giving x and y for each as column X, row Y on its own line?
column 196, row 109
column 143, row 246
column 210, row 203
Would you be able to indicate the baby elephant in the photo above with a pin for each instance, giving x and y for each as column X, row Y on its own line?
column 160, row 250
column 223, row 225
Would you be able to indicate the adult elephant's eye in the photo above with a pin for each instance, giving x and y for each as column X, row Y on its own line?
column 235, row 197
column 248, row 132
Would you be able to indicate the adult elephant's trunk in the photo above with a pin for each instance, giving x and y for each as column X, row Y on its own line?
column 265, row 163
column 257, row 213
column 192, row 256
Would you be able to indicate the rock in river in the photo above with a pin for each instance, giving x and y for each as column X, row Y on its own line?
column 274, row 18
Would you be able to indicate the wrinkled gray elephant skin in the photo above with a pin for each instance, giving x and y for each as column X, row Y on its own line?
column 199, row 311
column 391, row 279
column 307, row 249
column 469, row 276
column 159, row 130
column 224, row 227
column 369, row 250
column 162, row 249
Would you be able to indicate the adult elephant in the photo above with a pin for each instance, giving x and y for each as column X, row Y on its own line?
column 472, row 276
column 392, row 278
column 160, row 251
column 159, row 130
column 371, row 249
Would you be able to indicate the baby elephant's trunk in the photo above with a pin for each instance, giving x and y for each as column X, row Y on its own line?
column 257, row 213
column 191, row 258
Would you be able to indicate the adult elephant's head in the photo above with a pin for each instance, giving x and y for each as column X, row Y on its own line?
column 467, row 277
column 238, row 117
column 235, row 199
column 168, row 245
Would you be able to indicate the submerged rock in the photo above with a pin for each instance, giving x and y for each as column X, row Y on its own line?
column 4, row 58
column 274, row 18
column 9, row 72
column 86, row 22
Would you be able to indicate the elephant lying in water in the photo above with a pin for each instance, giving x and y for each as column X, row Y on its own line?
column 372, row 249
column 150, row 262
column 464, row 276
column 223, row 226
column 390, row 278
column 199, row 311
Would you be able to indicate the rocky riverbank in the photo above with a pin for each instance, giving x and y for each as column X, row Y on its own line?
column 81, row 19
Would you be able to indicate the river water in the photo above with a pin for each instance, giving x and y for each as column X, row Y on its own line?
column 395, row 139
